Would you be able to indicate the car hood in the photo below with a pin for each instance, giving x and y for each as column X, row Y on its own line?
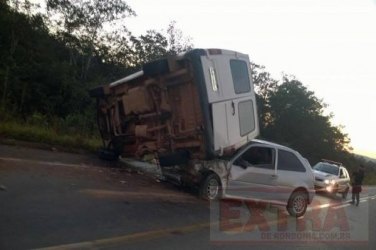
column 323, row 175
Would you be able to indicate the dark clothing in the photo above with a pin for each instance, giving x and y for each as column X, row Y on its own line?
column 357, row 182
column 357, row 189
column 358, row 177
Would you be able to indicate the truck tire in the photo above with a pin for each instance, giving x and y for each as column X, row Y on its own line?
column 297, row 204
column 211, row 187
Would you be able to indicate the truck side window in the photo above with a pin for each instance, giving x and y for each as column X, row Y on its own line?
column 288, row 161
column 240, row 76
column 261, row 157
column 246, row 117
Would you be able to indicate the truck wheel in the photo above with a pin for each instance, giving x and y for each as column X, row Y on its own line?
column 211, row 188
column 297, row 204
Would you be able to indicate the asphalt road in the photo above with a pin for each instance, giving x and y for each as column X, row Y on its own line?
column 70, row 201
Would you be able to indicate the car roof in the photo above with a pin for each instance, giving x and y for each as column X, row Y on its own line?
column 272, row 144
column 266, row 143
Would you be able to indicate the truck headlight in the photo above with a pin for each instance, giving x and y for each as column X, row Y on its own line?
column 326, row 181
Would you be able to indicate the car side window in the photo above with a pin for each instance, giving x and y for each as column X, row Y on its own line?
column 288, row 161
column 260, row 157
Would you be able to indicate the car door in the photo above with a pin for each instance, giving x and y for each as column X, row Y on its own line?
column 290, row 174
column 252, row 174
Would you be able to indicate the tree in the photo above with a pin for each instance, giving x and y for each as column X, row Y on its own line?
column 177, row 42
column 124, row 48
column 84, row 21
column 297, row 119
column 13, row 36
column 265, row 85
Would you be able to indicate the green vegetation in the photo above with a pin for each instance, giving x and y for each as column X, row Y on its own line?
column 51, row 57
column 37, row 133
column 292, row 115
column 49, row 60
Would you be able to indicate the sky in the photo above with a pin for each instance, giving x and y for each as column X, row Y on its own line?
column 329, row 45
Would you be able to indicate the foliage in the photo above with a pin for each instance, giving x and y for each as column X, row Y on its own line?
column 50, row 72
column 37, row 133
column 291, row 114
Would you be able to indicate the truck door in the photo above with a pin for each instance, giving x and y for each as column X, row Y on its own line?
column 232, row 99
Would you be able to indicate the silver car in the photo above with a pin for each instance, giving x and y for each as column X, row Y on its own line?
column 262, row 171
column 331, row 177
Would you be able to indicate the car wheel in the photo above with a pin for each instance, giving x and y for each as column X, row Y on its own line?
column 297, row 204
column 211, row 188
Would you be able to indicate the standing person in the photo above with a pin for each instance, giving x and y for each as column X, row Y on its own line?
column 357, row 181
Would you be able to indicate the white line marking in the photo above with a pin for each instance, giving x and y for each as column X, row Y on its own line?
column 363, row 200
column 324, row 205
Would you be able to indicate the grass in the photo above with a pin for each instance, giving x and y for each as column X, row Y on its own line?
column 34, row 133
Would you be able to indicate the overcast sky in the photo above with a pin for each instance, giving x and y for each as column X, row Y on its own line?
column 329, row 45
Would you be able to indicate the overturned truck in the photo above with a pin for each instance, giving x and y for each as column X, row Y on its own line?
column 185, row 110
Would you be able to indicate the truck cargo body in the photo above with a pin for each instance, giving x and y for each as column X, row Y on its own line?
column 196, row 106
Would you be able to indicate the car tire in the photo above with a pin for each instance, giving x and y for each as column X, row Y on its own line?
column 297, row 204
column 211, row 187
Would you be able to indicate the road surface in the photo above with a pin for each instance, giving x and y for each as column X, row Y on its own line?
column 69, row 201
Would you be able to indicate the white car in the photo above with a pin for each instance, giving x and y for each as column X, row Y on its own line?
column 261, row 171
column 331, row 177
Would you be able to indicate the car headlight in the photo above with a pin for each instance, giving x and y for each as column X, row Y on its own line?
column 332, row 182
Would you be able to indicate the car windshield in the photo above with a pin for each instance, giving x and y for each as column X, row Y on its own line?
column 326, row 168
